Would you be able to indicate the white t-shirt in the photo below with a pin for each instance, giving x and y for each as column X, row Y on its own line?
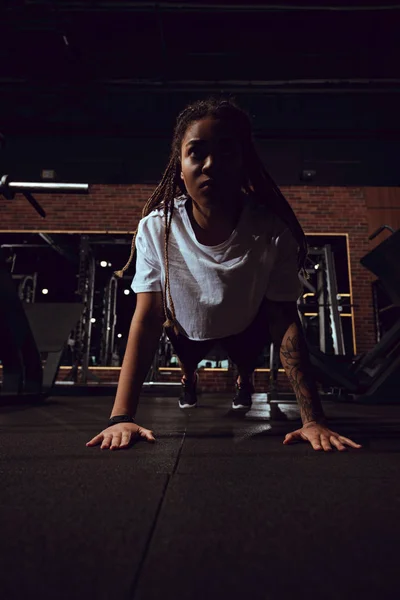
column 217, row 290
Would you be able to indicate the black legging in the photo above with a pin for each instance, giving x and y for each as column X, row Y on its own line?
column 243, row 348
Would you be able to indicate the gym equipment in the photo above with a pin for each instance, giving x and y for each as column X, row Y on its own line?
column 330, row 332
column 9, row 188
column 385, row 312
column 109, row 320
column 373, row 375
column 28, row 331
column 383, row 261
column 83, row 330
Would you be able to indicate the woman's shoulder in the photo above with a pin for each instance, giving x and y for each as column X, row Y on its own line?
column 158, row 211
column 265, row 216
column 259, row 209
column 155, row 220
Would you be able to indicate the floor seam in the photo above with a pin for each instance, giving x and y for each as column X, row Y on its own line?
column 146, row 550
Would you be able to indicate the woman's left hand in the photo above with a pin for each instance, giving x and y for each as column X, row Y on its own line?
column 320, row 437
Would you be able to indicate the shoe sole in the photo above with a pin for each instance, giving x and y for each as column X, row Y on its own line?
column 183, row 406
column 240, row 406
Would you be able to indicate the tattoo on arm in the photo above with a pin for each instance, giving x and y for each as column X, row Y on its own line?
column 295, row 360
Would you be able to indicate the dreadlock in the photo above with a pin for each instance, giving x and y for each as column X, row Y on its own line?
column 257, row 182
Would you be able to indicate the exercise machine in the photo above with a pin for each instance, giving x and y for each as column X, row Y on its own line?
column 32, row 333
column 373, row 376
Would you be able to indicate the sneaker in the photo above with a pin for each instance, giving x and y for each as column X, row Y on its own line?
column 242, row 399
column 188, row 397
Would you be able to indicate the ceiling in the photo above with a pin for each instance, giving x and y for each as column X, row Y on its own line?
column 148, row 44
column 304, row 71
column 57, row 57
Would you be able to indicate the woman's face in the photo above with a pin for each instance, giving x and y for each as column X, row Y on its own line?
column 211, row 153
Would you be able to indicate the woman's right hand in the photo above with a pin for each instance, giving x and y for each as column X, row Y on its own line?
column 120, row 436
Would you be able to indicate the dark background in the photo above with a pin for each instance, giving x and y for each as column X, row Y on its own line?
column 92, row 89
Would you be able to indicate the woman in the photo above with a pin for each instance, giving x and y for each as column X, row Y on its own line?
column 219, row 262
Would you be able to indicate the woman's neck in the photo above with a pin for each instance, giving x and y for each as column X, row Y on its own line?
column 213, row 225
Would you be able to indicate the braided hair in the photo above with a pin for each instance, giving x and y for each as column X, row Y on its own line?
column 257, row 182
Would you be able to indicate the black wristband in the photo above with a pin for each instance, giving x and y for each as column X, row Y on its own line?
column 120, row 419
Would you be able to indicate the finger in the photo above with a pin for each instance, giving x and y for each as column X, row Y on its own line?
column 337, row 444
column 96, row 440
column 106, row 442
column 116, row 440
column 126, row 438
column 292, row 436
column 346, row 440
column 146, row 433
column 289, row 438
column 326, row 443
column 315, row 442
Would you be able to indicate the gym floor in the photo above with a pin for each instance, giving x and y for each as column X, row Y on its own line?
column 218, row 507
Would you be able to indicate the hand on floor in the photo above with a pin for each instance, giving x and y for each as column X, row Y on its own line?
column 121, row 435
column 320, row 437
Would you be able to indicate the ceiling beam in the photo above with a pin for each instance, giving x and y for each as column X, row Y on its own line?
column 286, row 86
column 118, row 5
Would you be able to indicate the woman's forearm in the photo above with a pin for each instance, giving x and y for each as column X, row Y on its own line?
column 296, row 362
column 144, row 337
column 287, row 334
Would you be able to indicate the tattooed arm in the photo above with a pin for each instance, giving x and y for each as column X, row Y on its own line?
column 287, row 334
